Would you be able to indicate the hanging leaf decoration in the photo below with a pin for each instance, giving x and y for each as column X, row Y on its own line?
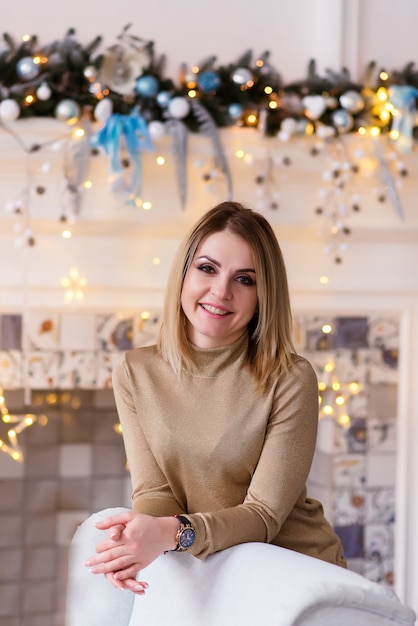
column 179, row 136
column 209, row 128
column 76, row 160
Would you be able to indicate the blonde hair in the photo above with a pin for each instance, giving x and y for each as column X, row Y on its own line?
column 270, row 345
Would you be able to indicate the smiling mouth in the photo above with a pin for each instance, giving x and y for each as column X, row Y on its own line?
column 214, row 310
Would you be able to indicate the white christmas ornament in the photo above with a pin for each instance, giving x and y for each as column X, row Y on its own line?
column 179, row 107
column 43, row 92
column 103, row 110
column 9, row 110
column 314, row 106
column 156, row 129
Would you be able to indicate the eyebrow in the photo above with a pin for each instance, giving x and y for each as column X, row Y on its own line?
column 244, row 269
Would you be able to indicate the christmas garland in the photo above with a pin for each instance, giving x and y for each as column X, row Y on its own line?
column 68, row 80
column 125, row 91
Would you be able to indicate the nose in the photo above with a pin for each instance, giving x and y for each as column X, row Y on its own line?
column 221, row 288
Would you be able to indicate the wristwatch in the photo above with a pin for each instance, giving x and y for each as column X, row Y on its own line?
column 186, row 534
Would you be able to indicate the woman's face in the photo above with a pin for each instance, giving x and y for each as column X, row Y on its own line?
column 219, row 295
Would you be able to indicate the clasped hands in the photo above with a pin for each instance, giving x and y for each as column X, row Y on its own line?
column 134, row 541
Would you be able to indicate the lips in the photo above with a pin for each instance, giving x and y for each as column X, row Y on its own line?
column 214, row 310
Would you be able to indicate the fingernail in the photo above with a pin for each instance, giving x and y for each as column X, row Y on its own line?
column 87, row 563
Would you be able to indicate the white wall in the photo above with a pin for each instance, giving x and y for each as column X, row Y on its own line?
column 335, row 32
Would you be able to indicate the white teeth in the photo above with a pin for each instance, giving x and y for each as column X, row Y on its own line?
column 214, row 310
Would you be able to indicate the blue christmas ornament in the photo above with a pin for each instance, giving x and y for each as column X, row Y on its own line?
column 146, row 86
column 235, row 111
column 208, row 81
column 163, row 99
column 27, row 69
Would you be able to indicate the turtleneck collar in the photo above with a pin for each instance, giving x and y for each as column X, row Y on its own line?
column 211, row 362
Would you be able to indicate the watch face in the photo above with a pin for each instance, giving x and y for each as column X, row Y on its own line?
column 187, row 538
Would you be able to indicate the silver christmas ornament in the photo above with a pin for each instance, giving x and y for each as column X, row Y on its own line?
column 352, row 101
column 67, row 111
column 241, row 76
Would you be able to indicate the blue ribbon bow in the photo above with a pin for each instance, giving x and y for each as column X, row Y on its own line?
column 403, row 98
column 134, row 129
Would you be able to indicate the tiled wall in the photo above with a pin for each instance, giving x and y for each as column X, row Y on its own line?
column 353, row 473
column 74, row 464
column 74, row 461
column 68, row 350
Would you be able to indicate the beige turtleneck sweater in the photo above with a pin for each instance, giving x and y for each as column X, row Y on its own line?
column 207, row 445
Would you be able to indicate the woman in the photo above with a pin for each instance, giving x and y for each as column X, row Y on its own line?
column 220, row 418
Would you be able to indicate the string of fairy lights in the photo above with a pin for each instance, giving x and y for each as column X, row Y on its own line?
column 116, row 101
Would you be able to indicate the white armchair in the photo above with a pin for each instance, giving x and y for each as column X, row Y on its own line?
column 245, row 585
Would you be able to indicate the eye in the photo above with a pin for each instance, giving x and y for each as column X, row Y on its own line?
column 245, row 280
column 205, row 267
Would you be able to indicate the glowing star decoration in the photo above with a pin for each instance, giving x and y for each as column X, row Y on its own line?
column 74, row 285
column 16, row 424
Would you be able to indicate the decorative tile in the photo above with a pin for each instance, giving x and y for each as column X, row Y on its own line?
column 41, row 495
column 42, row 461
column 67, row 524
column 107, row 492
column 9, row 600
column 352, row 539
column 380, row 570
column 40, row 562
column 378, row 541
column 114, row 333
column 43, row 331
column 383, row 400
column 380, row 506
column 351, row 332
column 381, row 435
column 315, row 339
column 11, row 332
column 145, row 331
column 321, row 470
column 349, row 507
column 75, row 460
column 38, row 597
column 74, row 494
column 11, row 375
column 351, row 366
column 11, row 565
column 329, row 439
column 104, row 431
column 383, row 332
column 77, row 332
column 383, row 367
column 40, row 529
column 11, row 492
column 358, row 404
column 43, row 369
column 10, row 531
column 109, row 460
column 77, row 370
column 106, row 363
column 350, row 471
column 127, row 492
column 381, row 470
column 10, row 469
column 356, row 435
